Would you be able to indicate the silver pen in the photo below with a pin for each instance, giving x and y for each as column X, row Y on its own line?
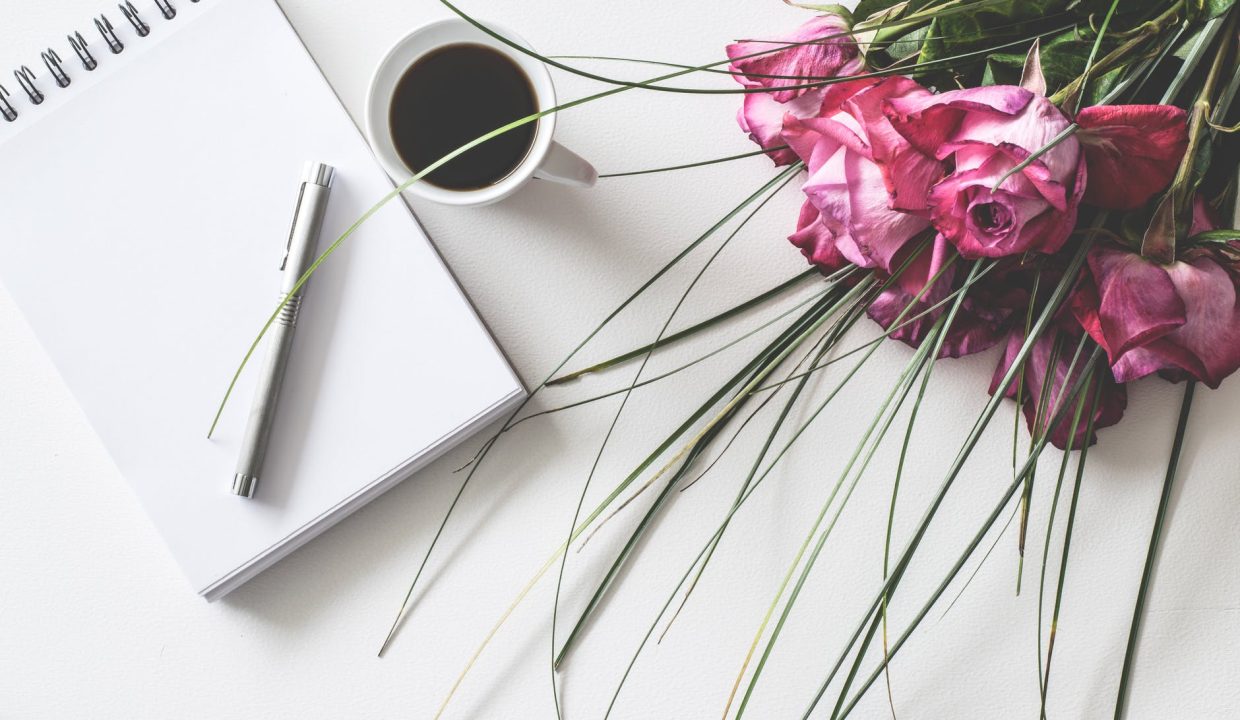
column 299, row 254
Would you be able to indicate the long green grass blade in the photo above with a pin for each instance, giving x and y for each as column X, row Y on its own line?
column 490, row 443
column 904, row 385
column 759, row 367
column 822, row 348
column 891, row 512
column 1011, row 490
column 895, row 326
column 936, row 341
column 1050, row 529
column 733, row 311
column 919, row 68
column 1147, row 572
column 854, row 314
column 789, row 175
column 1093, row 55
column 828, row 343
column 872, row 437
column 1045, row 318
column 1067, row 544
column 830, row 289
column 1027, row 472
column 700, row 163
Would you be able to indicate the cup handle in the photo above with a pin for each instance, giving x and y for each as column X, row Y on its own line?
column 565, row 166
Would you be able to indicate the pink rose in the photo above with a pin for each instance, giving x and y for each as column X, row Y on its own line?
column 1179, row 320
column 762, row 113
column 868, row 184
column 983, row 133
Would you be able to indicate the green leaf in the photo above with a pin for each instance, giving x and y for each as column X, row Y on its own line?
column 975, row 29
column 869, row 8
column 908, row 44
column 828, row 9
column 1127, row 7
column 1208, row 9
column 1215, row 8
column 687, row 332
column 1063, row 60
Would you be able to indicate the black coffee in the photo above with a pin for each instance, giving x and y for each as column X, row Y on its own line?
column 453, row 95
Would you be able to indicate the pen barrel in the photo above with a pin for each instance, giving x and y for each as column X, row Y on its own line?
column 302, row 250
column 263, row 410
column 303, row 238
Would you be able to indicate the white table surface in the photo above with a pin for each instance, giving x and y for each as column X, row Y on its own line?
column 95, row 620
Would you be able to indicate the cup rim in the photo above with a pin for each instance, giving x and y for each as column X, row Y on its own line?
column 405, row 52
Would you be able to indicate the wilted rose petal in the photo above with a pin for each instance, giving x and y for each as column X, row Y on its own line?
column 928, row 122
column 1207, row 345
column 1137, row 300
column 1181, row 319
column 825, row 50
column 1132, row 151
column 907, row 172
column 1203, row 217
column 1112, row 401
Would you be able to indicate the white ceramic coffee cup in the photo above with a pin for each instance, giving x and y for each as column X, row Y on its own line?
column 546, row 158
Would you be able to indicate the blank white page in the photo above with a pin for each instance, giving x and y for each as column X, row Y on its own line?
column 146, row 209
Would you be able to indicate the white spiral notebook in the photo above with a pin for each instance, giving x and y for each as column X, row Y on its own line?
column 146, row 205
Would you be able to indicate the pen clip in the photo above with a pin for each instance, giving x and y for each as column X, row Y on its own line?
column 288, row 244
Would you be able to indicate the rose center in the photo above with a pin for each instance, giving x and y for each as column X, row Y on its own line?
column 991, row 217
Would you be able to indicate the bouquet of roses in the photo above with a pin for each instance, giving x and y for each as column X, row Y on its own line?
column 1023, row 177
column 1054, row 178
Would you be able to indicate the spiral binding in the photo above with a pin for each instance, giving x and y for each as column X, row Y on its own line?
column 28, row 82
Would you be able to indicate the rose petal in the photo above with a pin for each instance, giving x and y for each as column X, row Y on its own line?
column 1033, row 127
column 1034, row 225
column 1207, row 345
column 816, row 241
column 908, row 302
column 1133, row 151
column 907, row 172
column 835, row 55
column 1138, row 302
column 848, row 188
column 763, row 119
column 879, row 231
column 815, row 140
column 929, row 121
column 1203, row 217
column 914, row 292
